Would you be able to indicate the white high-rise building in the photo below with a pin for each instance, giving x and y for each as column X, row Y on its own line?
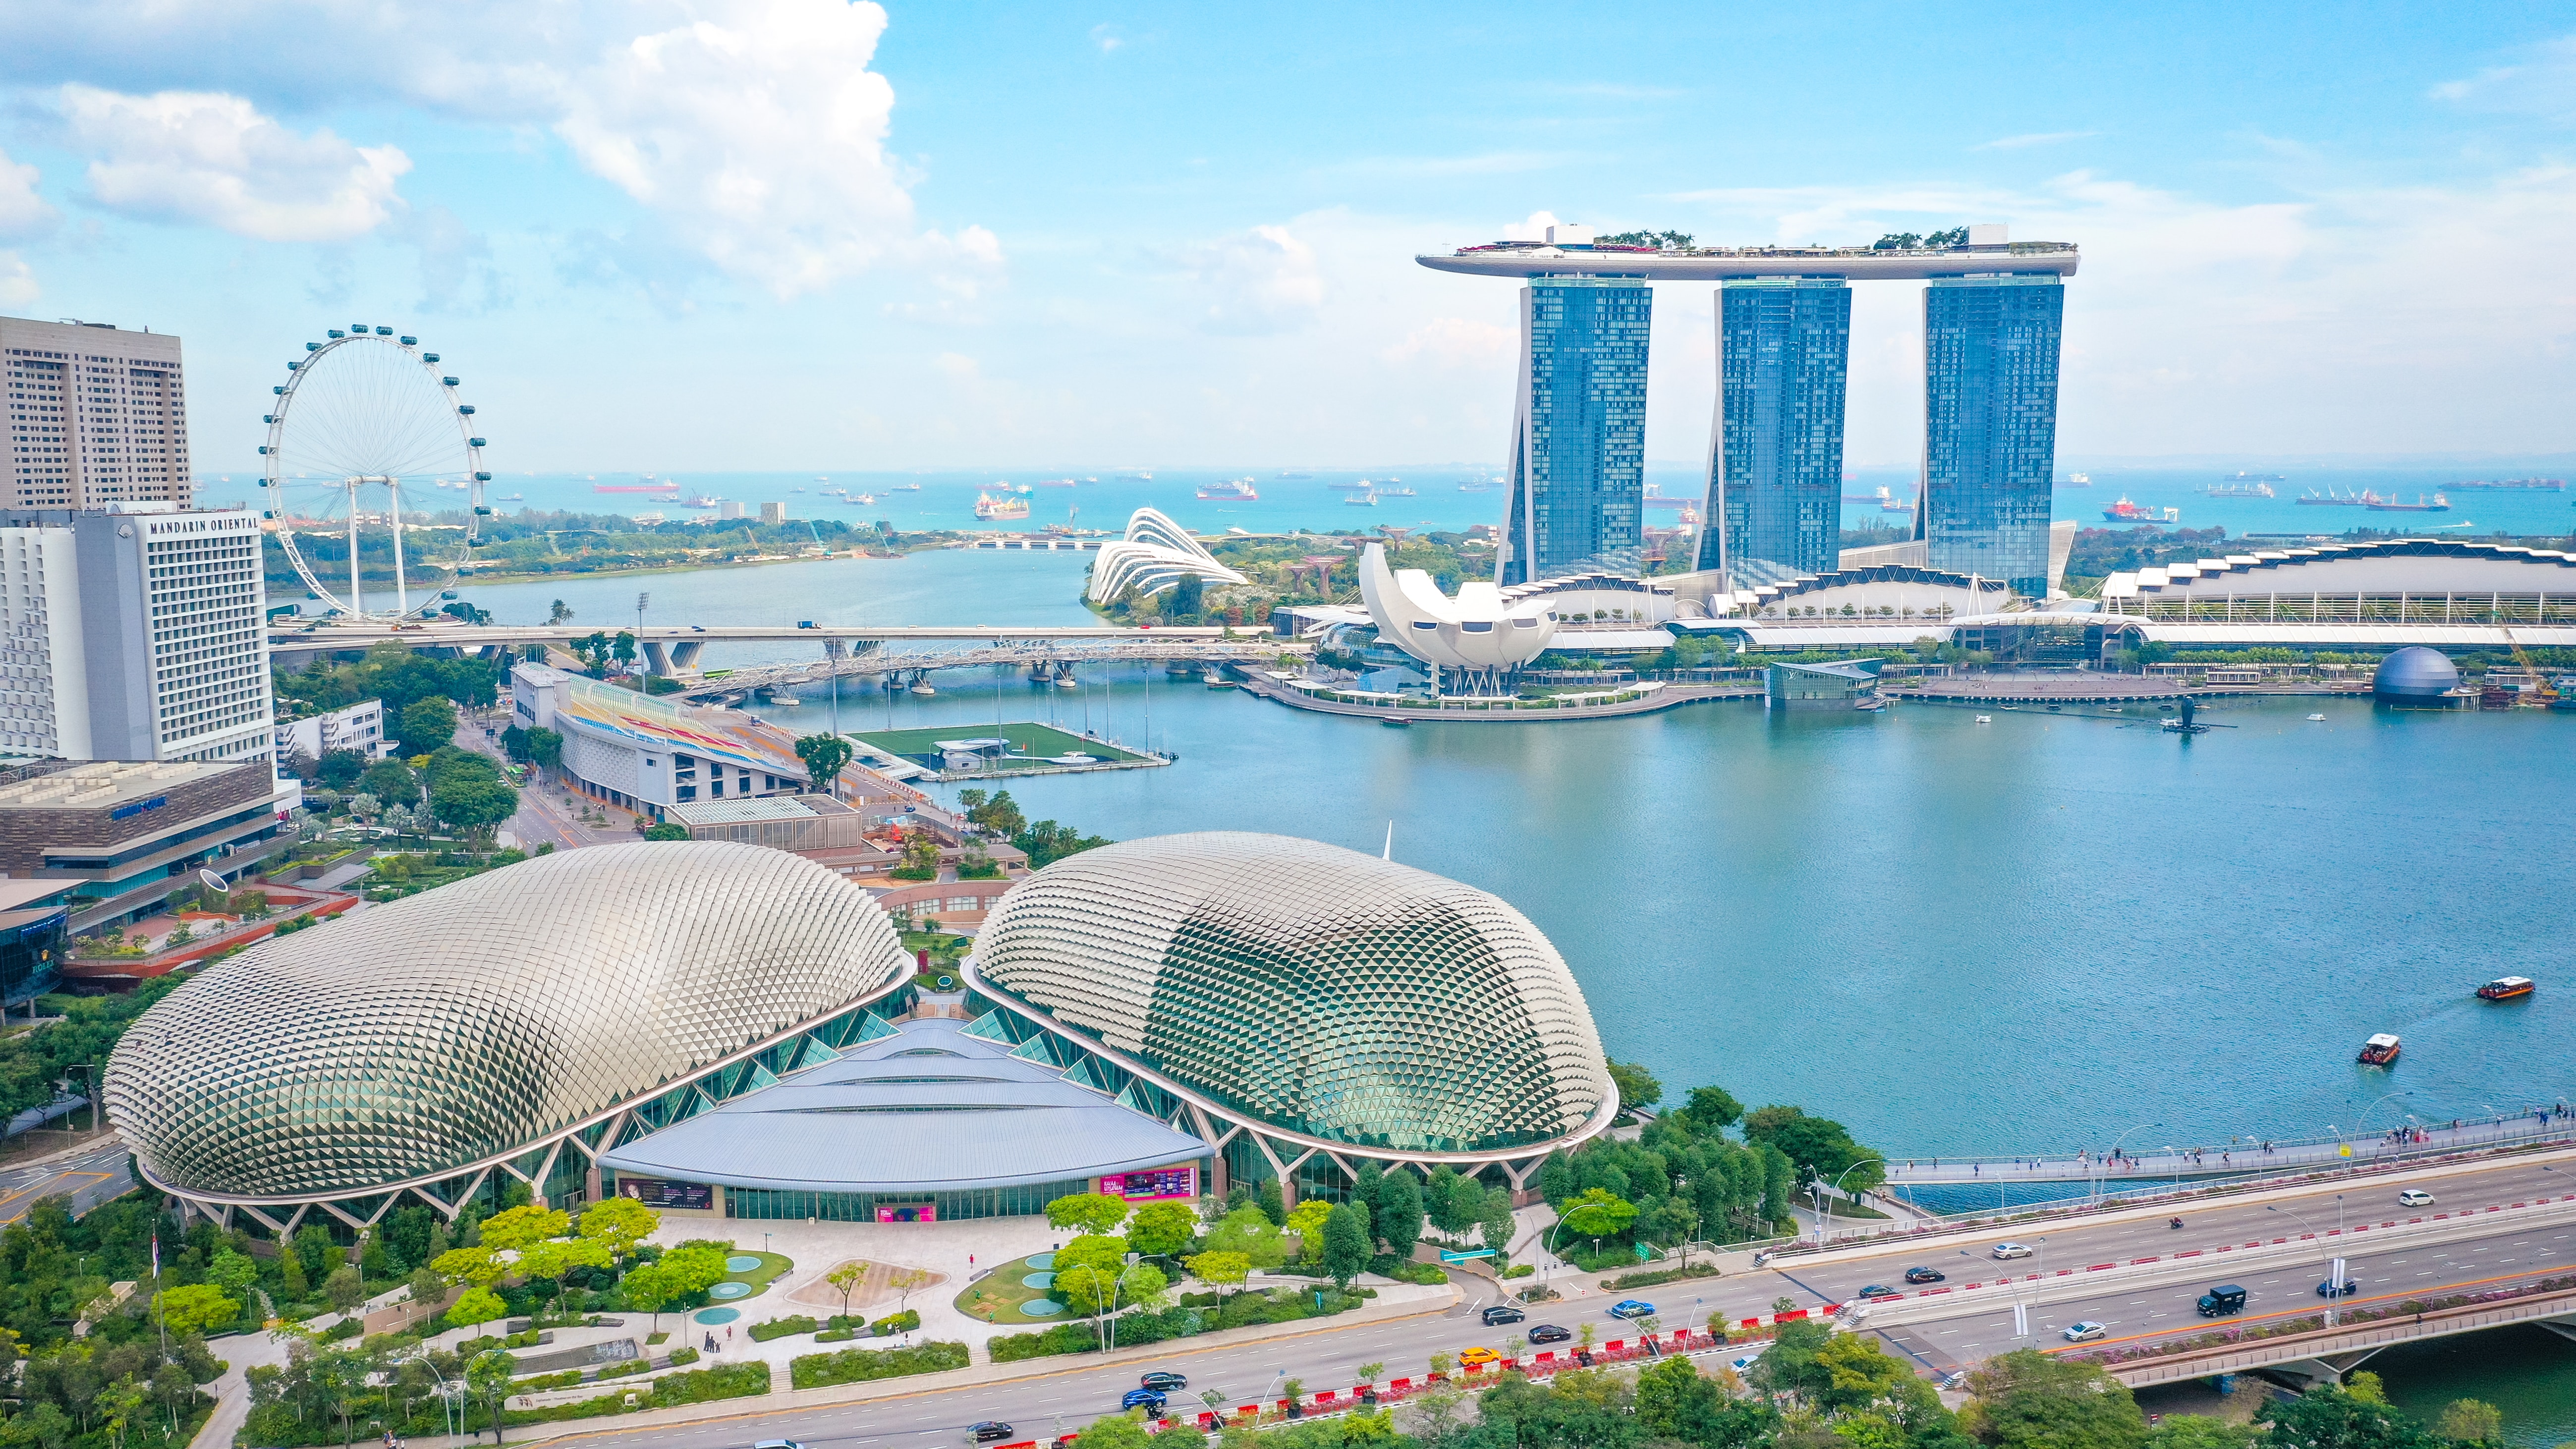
column 134, row 632
column 97, row 416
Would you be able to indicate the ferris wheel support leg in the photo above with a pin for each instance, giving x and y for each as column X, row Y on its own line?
column 356, row 606
column 393, row 514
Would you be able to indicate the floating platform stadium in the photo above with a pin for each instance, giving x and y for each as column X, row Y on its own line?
column 980, row 752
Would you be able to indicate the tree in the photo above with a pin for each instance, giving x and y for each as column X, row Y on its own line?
column 391, row 781
column 233, row 1272
column 1820, row 1145
column 1346, row 1243
column 476, row 1306
column 620, row 1222
column 545, row 748
column 2471, row 1422
column 2198, row 1431
column 1598, row 1214
column 651, row 1287
column 552, row 1259
column 427, row 1289
column 197, row 1308
column 1162, row 1229
column 847, row 1279
column 907, row 1281
column 519, row 1227
column 344, row 1289
column 1637, row 1086
column 1712, row 1109
column 474, row 805
column 1556, row 1180
column 1118, row 1431
column 1273, row 1204
column 469, row 1265
column 425, row 725
column 1246, row 1231
column 2027, row 1400
column 560, row 614
column 488, row 1378
column 1497, row 1225
column 1090, row 1212
column 824, row 755
column 1306, row 1225
column 1398, row 1214
column 622, row 648
column 340, row 769
column 2329, row 1418
column 665, row 830
column 1221, row 1271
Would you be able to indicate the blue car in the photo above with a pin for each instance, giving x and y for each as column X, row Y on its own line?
column 1149, row 1399
column 1630, row 1308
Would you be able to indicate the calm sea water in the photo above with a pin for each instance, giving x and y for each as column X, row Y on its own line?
column 2022, row 936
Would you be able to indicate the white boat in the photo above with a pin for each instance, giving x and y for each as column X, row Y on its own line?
column 1985, row 719
column 784, row 701
column 2314, row 718
column 923, row 689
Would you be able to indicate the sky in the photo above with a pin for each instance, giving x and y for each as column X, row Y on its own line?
column 809, row 234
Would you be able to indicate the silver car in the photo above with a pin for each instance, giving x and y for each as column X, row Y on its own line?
column 2012, row 1250
column 2084, row 1331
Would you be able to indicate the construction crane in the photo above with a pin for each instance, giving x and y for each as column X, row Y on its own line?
column 2541, row 691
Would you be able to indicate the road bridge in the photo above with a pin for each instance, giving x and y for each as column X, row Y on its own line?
column 1044, row 662
column 2247, row 1158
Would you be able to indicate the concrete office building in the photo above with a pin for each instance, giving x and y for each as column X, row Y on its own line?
column 1775, row 471
column 109, row 841
column 97, row 415
column 359, row 727
column 133, row 632
column 1990, row 350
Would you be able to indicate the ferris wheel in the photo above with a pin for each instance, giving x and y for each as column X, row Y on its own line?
column 363, row 419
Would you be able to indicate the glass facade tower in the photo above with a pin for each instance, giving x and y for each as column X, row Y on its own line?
column 1578, row 466
column 1990, row 349
column 1775, row 471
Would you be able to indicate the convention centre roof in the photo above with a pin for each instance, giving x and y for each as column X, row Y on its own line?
column 930, row 1109
column 1307, row 989
column 425, row 1036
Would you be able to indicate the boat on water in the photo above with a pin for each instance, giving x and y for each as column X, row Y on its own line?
column 1351, row 487
column 635, row 488
column 1475, row 487
column 991, row 509
column 861, row 500
column 1292, row 473
column 2439, row 504
column 1878, row 497
column 2079, row 480
column 904, row 488
column 1897, row 505
column 2316, row 719
column 703, row 500
column 1057, row 483
column 2238, row 490
column 2380, row 1051
column 2332, row 499
column 2241, row 478
column 1361, row 500
column 2507, row 988
column 516, row 498
column 2515, row 485
column 923, row 689
column 1239, row 490
column 2124, row 511
column 1404, row 492
column 784, row 701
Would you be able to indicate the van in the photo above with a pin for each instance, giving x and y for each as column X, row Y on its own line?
column 2222, row 1300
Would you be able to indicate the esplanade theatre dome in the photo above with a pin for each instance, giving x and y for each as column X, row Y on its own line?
column 1312, row 989
column 432, row 1035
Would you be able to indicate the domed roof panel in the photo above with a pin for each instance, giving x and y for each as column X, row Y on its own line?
column 1320, row 990
column 417, row 1037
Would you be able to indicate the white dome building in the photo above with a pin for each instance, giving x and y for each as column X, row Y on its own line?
column 1155, row 555
column 1480, row 630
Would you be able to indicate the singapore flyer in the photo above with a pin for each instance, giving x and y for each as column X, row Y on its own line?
column 367, row 439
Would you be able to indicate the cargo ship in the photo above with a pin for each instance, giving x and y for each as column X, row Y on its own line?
column 2439, row 504
column 635, row 488
column 991, row 509
column 1057, row 483
column 1239, row 490
column 2332, row 499
column 2507, row 988
column 2516, row 485
column 2238, row 490
column 2380, row 1051
column 2124, row 511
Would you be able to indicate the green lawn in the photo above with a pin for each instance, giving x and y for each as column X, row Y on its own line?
column 997, row 1297
column 1026, row 738
column 771, row 1265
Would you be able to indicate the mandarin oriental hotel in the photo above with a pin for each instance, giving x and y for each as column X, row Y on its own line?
column 725, row 1030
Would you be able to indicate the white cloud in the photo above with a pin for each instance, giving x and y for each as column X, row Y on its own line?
column 1534, row 229
column 17, row 284
column 1107, row 38
column 2543, row 85
column 213, row 158
column 758, row 135
column 1262, row 280
column 1454, row 342
column 23, row 214
column 2037, row 138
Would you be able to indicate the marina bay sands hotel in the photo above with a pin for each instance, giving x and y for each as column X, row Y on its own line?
column 1992, row 314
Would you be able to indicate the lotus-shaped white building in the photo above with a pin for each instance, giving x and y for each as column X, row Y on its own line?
column 1155, row 555
column 1479, row 630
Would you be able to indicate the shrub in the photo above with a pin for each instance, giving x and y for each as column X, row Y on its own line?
column 904, row 1322
column 1519, row 1270
column 685, row 1355
column 857, row 1365
column 733, row 1381
column 782, row 1327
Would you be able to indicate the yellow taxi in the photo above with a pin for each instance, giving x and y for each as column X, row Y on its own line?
column 1478, row 1357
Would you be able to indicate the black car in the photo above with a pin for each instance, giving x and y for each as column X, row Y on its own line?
column 992, row 1431
column 2328, row 1289
column 1503, row 1313
column 1924, row 1275
column 1550, row 1333
column 1163, row 1381
column 2222, row 1300
column 1880, row 1290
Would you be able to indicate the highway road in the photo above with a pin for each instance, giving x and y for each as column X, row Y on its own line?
column 1327, row 1357
column 89, row 1178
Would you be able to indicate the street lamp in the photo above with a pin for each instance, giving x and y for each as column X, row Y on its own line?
column 2102, row 1168
column 1824, row 1227
column 2334, row 1272
column 2364, row 1118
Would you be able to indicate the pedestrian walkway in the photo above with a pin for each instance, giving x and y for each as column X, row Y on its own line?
column 2249, row 1158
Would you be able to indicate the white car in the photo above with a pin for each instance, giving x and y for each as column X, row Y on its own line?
column 2414, row 1197
column 2085, row 1331
column 2012, row 1250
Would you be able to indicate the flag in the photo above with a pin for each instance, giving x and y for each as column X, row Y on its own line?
column 156, row 1255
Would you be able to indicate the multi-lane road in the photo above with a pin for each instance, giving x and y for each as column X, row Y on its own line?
column 1941, row 1333
column 89, row 1177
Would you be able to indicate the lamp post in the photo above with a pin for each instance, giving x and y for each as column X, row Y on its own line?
column 2102, row 1168
column 2363, row 1120
column 1824, row 1228
column 2334, row 1264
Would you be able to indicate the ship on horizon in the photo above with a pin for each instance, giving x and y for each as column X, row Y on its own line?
column 2439, row 504
column 2514, row 485
column 1239, row 490
column 991, row 509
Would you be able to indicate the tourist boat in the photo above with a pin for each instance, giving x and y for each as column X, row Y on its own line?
column 1239, row 490
column 2439, row 504
column 2380, row 1051
column 2507, row 988
column 991, row 509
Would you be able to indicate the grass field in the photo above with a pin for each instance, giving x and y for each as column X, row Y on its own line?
column 1026, row 739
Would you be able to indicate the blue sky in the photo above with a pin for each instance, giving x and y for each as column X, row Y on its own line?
column 750, row 234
